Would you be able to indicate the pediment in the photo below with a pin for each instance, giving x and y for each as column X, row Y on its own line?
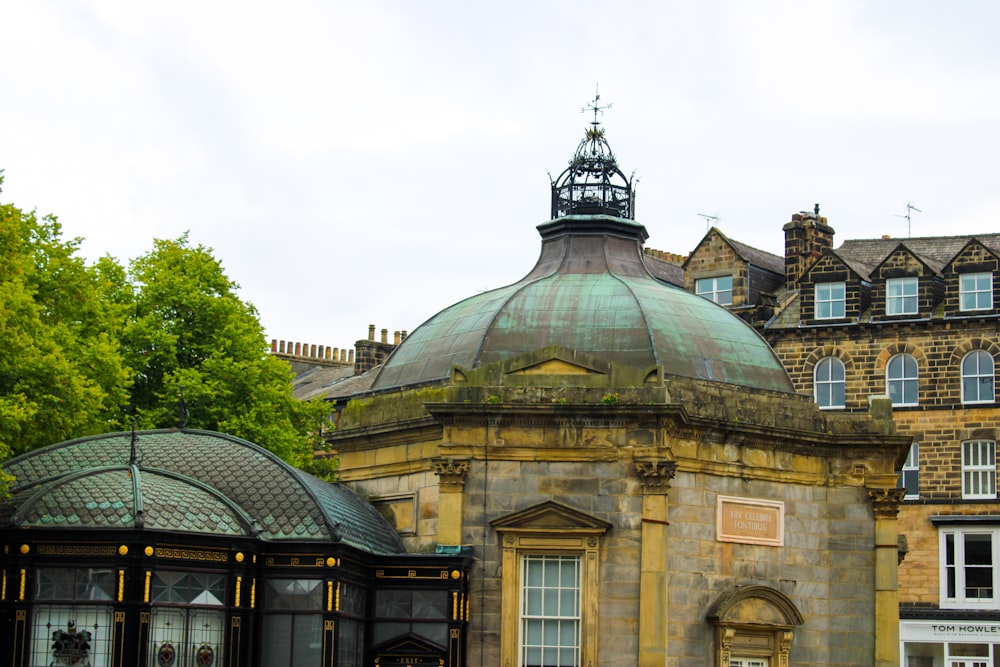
column 556, row 360
column 550, row 516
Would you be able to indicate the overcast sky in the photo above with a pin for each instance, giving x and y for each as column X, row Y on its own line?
column 373, row 162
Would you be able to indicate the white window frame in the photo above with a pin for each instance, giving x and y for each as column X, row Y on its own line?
column 978, row 366
column 902, row 379
column 979, row 470
column 711, row 290
column 979, row 288
column 911, row 470
column 830, row 301
column 901, row 296
column 558, row 603
column 954, row 573
column 824, row 383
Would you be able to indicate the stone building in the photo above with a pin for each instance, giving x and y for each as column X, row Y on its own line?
column 915, row 319
column 628, row 464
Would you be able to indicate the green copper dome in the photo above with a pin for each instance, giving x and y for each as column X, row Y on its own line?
column 589, row 292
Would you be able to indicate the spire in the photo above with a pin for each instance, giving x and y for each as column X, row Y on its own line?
column 593, row 184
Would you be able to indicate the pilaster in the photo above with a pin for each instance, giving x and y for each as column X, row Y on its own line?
column 655, row 476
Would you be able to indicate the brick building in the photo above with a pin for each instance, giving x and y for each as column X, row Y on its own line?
column 917, row 320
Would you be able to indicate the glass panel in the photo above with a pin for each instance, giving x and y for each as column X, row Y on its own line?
column 278, row 647
column 71, row 635
column 307, row 645
column 293, row 594
column 55, row 584
column 170, row 586
column 392, row 603
column 350, row 645
column 430, row 604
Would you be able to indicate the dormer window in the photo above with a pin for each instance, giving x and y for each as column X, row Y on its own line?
column 718, row 289
column 830, row 301
column 975, row 291
column 901, row 296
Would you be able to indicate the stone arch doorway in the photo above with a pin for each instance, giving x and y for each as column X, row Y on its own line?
column 754, row 625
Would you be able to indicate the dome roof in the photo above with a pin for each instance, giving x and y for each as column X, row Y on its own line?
column 185, row 481
column 589, row 292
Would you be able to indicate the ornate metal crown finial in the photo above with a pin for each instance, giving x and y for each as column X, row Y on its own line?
column 593, row 184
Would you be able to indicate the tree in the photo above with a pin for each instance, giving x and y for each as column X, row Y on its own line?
column 61, row 368
column 192, row 338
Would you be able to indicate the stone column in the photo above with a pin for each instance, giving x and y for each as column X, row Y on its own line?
column 451, row 473
column 655, row 476
column 885, row 506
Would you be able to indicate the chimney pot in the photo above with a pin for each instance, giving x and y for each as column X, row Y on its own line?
column 395, row 338
column 385, row 335
column 298, row 349
column 350, row 356
column 274, row 345
column 371, row 332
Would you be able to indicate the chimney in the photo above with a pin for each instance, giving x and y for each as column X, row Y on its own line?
column 806, row 237
column 370, row 353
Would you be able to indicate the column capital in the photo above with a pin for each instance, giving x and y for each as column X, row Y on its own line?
column 886, row 502
column 655, row 474
column 452, row 472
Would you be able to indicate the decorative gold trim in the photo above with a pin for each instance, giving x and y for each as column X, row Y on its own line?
column 148, row 551
column 25, row 549
column 239, row 556
column 253, row 592
column 77, row 550
column 123, row 550
column 145, row 587
column 410, row 574
column 337, row 605
column 192, row 554
column 121, row 585
column 239, row 589
column 329, row 596
column 3, row 588
column 24, row 579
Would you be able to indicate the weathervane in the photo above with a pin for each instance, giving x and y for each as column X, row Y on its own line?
column 595, row 106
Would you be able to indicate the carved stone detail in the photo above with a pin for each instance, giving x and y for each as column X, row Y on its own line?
column 886, row 502
column 655, row 475
column 452, row 473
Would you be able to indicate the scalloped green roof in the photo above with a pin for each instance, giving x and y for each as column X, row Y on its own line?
column 188, row 481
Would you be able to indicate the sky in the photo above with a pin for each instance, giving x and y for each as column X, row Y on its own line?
column 356, row 163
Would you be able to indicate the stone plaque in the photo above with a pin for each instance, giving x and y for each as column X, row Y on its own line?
column 750, row 521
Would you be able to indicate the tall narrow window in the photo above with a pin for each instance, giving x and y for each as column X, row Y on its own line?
column 293, row 622
column 968, row 558
column 828, row 383
column 909, row 475
column 550, row 611
column 977, row 377
column 719, row 289
column 979, row 469
column 901, row 296
column 830, row 300
column 901, row 379
column 975, row 291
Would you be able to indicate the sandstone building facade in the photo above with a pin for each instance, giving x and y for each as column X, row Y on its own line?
column 916, row 320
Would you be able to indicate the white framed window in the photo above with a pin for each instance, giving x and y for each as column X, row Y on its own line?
column 901, row 296
column 829, row 386
column 977, row 377
column 979, row 469
column 550, row 610
column 901, row 379
column 718, row 289
column 830, row 300
column 909, row 474
column 968, row 567
column 975, row 291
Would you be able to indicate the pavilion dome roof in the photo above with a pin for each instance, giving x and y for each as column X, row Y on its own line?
column 186, row 481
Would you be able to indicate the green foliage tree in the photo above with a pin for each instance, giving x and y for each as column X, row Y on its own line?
column 61, row 370
column 192, row 336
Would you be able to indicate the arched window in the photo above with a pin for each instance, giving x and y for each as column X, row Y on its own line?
column 901, row 379
column 977, row 377
column 828, row 383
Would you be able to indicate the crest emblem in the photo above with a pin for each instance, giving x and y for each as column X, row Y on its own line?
column 71, row 646
column 205, row 656
column 167, row 655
